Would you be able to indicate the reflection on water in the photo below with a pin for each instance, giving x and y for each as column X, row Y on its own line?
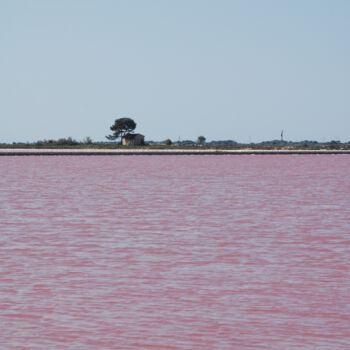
column 175, row 252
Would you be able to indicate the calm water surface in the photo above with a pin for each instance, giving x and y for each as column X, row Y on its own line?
column 175, row 252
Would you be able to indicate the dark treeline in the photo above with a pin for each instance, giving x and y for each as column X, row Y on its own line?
column 123, row 130
column 69, row 142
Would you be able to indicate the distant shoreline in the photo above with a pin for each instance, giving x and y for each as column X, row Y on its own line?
column 144, row 151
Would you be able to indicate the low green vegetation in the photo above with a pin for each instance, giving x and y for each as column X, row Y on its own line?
column 69, row 142
column 124, row 126
column 168, row 142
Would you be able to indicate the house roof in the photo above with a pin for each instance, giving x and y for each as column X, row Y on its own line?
column 132, row 136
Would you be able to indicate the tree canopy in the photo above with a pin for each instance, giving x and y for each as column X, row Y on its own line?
column 121, row 127
column 201, row 140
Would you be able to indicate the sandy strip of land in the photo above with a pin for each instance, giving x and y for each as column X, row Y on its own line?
column 145, row 151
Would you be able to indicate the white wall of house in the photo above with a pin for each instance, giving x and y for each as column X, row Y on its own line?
column 137, row 140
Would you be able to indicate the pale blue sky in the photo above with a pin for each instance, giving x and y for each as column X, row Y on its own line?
column 239, row 70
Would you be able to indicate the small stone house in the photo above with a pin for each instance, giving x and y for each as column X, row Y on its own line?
column 133, row 140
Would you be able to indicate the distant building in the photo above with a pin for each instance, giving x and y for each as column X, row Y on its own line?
column 133, row 140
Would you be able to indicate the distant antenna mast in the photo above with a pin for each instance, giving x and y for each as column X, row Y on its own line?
column 282, row 136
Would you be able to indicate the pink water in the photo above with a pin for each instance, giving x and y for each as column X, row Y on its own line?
column 175, row 252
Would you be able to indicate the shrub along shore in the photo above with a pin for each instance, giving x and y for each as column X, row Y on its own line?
column 227, row 145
